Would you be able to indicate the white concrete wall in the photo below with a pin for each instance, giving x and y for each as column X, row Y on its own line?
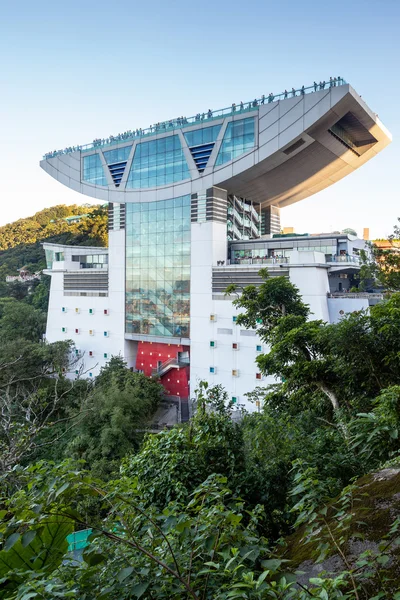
column 77, row 316
column 97, row 322
column 338, row 307
column 224, row 332
column 308, row 273
column 208, row 241
column 307, row 270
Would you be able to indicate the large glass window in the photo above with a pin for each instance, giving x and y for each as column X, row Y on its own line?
column 158, row 162
column 49, row 258
column 117, row 155
column 206, row 135
column 93, row 170
column 158, row 267
column 238, row 139
column 91, row 261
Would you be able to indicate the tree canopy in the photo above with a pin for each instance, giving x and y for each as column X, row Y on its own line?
column 348, row 362
column 20, row 241
column 382, row 266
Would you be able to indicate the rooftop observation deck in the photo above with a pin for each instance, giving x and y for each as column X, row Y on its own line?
column 200, row 118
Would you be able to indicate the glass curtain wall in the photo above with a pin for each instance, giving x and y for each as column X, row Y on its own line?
column 238, row 139
column 158, row 267
column 93, row 171
column 159, row 162
column 117, row 155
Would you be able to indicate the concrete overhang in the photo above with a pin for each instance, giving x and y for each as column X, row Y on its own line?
column 303, row 144
column 313, row 159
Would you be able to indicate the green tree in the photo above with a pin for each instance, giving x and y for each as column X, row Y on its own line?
column 350, row 231
column 20, row 320
column 34, row 397
column 382, row 265
column 119, row 412
column 40, row 294
column 349, row 362
column 173, row 463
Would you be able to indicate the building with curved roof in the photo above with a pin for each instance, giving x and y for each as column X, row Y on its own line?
column 181, row 194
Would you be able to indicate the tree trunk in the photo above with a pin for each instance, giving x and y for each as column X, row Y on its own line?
column 331, row 395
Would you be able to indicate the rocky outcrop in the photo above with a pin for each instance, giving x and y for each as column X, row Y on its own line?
column 371, row 536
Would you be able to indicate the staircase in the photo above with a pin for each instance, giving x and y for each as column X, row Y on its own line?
column 171, row 363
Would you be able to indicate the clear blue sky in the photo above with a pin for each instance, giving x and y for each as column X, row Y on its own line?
column 72, row 71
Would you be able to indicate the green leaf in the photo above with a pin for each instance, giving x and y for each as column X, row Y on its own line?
column 62, row 489
column 2, row 514
column 212, row 564
column 122, row 575
column 28, row 537
column 43, row 553
column 139, row 589
column 11, row 540
column 272, row 565
column 383, row 559
column 262, row 577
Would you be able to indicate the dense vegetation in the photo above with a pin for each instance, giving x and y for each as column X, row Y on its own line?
column 21, row 246
column 203, row 510
column 20, row 241
column 383, row 265
column 218, row 508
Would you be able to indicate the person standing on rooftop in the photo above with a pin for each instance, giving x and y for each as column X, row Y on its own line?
column 315, row 86
column 262, row 99
column 233, row 107
column 241, row 105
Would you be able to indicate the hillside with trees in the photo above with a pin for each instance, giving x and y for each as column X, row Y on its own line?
column 20, row 241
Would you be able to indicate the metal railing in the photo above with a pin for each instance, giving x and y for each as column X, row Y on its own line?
column 262, row 261
column 370, row 295
column 208, row 117
column 348, row 258
column 173, row 362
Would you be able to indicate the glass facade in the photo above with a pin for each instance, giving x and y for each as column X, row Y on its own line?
column 91, row 261
column 239, row 138
column 159, row 162
column 202, row 136
column 158, row 267
column 117, row 155
column 93, row 170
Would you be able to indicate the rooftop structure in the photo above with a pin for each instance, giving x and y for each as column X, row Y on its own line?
column 193, row 206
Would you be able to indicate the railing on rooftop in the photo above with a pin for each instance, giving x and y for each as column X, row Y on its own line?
column 205, row 117
column 262, row 261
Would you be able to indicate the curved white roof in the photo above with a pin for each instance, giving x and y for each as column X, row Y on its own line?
column 302, row 144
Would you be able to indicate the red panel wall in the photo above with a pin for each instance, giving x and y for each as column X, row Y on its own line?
column 175, row 381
